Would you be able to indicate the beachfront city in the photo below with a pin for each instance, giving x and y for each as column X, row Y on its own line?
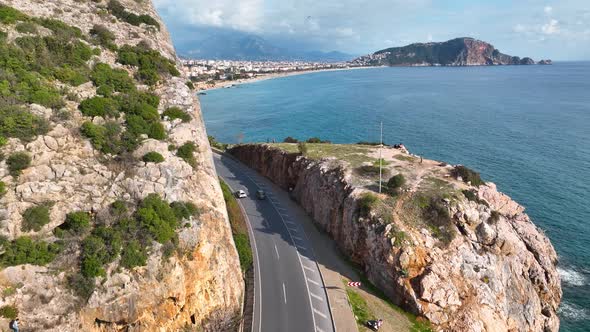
column 207, row 74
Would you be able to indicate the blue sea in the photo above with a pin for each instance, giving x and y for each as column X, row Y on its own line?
column 526, row 128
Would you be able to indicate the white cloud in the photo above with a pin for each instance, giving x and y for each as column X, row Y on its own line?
column 548, row 10
column 551, row 27
column 243, row 15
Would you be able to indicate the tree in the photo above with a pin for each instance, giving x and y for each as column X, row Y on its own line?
column 302, row 147
column 290, row 139
column 395, row 183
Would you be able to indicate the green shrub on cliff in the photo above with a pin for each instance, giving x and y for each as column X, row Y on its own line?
column 435, row 214
column 105, row 138
column 99, row 106
column 151, row 63
column 467, row 175
column 302, row 148
column 184, row 210
column 133, row 255
column 366, row 203
column 152, row 157
column 103, row 36
column 116, row 9
column 24, row 250
column 116, row 79
column 27, row 27
column 214, row 143
column 157, row 218
column 103, row 246
column 9, row 312
column 9, row 15
column 176, row 113
column 395, row 184
column 35, row 217
column 290, row 139
column 19, row 123
column 17, row 162
column 76, row 222
column 186, row 152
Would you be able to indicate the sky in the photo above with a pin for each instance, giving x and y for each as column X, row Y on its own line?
column 559, row 30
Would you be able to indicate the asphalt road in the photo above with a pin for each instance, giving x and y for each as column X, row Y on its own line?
column 289, row 293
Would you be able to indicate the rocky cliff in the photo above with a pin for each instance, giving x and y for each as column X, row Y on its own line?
column 111, row 213
column 455, row 52
column 466, row 257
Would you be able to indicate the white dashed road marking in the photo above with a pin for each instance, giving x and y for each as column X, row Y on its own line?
column 284, row 292
column 316, row 296
column 319, row 313
column 313, row 282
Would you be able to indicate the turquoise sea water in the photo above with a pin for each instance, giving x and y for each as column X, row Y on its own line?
column 526, row 128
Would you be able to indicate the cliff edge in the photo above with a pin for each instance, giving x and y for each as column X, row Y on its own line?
column 439, row 241
column 111, row 213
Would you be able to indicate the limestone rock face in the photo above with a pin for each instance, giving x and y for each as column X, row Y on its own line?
column 202, row 288
column 497, row 274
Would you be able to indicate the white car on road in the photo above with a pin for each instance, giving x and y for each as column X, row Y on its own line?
column 241, row 194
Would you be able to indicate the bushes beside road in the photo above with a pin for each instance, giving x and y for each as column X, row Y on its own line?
column 238, row 226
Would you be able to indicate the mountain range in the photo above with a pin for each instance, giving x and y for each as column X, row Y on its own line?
column 223, row 44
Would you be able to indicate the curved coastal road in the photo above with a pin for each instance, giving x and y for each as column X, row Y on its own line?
column 289, row 293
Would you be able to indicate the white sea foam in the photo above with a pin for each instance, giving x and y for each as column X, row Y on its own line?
column 572, row 277
column 573, row 312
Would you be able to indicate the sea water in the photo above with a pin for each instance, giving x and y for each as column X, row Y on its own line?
column 526, row 128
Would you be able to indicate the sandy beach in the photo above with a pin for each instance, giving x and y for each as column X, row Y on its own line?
column 212, row 85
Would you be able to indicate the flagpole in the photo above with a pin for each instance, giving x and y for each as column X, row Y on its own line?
column 380, row 157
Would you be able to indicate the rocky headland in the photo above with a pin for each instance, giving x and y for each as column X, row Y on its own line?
column 439, row 241
column 455, row 52
column 111, row 213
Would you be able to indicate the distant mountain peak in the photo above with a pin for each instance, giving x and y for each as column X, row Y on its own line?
column 220, row 44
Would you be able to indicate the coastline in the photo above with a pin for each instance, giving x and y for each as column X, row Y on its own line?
column 204, row 87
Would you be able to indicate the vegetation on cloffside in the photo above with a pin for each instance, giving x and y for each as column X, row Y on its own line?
column 355, row 155
column 152, row 66
column 467, row 175
column 35, row 217
column 8, row 312
column 215, row 144
column 238, row 226
column 173, row 113
column 186, row 152
column 153, row 157
column 127, row 234
column 419, row 324
column 17, row 162
column 359, row 306
column 118, row 10
column 429, row 207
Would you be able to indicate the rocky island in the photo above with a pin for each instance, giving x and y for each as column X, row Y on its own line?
column 111, row 213
column 456, row 52
column 439, row 241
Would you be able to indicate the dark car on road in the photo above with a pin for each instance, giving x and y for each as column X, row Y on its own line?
column 260, row 194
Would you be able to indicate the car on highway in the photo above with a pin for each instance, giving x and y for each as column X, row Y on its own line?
column 241, row 194
column 260, row 194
